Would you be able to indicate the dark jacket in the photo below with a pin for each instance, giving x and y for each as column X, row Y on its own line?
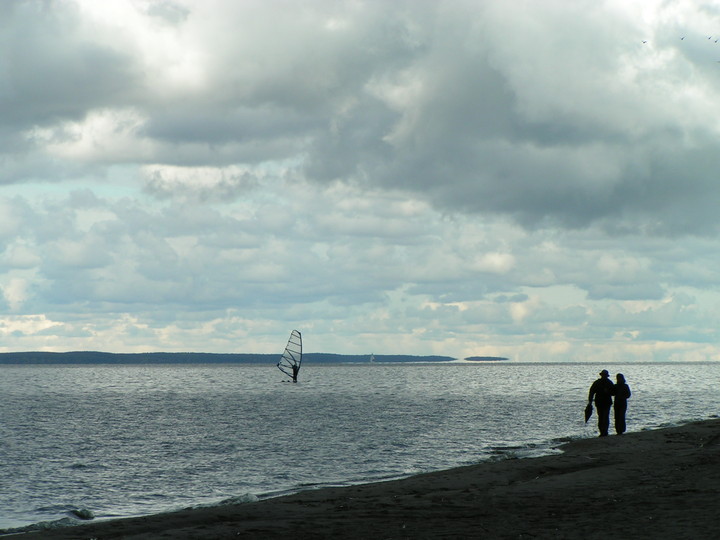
column 622, row 393
column 602, row 390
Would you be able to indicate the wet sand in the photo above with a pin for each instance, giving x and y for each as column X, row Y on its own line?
column 654, row 484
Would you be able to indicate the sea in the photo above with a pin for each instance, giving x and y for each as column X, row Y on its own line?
column 82, row 442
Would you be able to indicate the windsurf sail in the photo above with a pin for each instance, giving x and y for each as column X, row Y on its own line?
column 291, row 359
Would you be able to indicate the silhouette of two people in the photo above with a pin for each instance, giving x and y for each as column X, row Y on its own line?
column 602, row 392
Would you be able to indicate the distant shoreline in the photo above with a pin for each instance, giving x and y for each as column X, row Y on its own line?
column 39, row 358
column 95, row 357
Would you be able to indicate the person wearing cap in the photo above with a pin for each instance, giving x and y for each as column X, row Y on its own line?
column 602, row 390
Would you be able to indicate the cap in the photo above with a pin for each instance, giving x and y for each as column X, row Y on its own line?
column 605, row 372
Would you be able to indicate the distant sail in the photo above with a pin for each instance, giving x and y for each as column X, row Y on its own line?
column 372, row 357
column 291, row 359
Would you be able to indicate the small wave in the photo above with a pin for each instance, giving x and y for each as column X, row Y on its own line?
column 41, row 526
column 87, row 467
column 504, row 449
column 75, row 516
column 502, row 452
column 82, row 513
column 241, row 499
column 238, row 499
column 72, row 511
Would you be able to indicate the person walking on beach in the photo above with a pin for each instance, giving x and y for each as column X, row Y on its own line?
column 622, row 394
column 602, row 390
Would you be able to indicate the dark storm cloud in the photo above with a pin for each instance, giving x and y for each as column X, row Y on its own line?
column 479, row 108
column 52, row 71
column 479, row 137
column 211, row 125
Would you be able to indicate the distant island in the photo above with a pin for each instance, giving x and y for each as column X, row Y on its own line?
column 93, row 357
column 486, row 359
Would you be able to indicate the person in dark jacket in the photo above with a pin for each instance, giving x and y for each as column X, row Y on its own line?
column 622, row 394
column 602, row 390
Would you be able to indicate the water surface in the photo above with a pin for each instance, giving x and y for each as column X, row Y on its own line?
column 129, row 440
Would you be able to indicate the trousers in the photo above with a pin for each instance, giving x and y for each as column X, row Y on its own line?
column 620, row 410
column 603, row 414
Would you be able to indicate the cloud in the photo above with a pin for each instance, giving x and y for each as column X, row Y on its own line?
column 56, row 69
column 553, row 115
column 423, row 177
column 199, row 183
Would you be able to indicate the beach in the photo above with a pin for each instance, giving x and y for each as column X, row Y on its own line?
column 662, row 483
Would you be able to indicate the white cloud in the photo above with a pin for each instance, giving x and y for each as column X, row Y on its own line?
column 523, row 179
column 496, row 263
column 25, row 325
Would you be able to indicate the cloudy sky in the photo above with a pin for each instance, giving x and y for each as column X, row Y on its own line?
column 536, row 180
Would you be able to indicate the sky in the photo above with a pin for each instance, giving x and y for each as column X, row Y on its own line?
column 534, row 180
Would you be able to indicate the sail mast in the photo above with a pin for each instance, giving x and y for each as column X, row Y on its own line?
column 291, row 359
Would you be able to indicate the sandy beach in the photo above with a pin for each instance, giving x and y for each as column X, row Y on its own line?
column 663, row 483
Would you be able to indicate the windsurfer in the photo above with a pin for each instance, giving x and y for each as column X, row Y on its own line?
column 291, row 359
column 602, row 390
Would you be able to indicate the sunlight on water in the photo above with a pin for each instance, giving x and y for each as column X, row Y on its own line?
column 126, row 440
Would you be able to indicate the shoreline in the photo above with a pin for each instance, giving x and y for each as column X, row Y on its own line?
column 661, row 483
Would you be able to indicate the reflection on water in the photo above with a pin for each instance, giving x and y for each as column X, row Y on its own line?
column 124, row 440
